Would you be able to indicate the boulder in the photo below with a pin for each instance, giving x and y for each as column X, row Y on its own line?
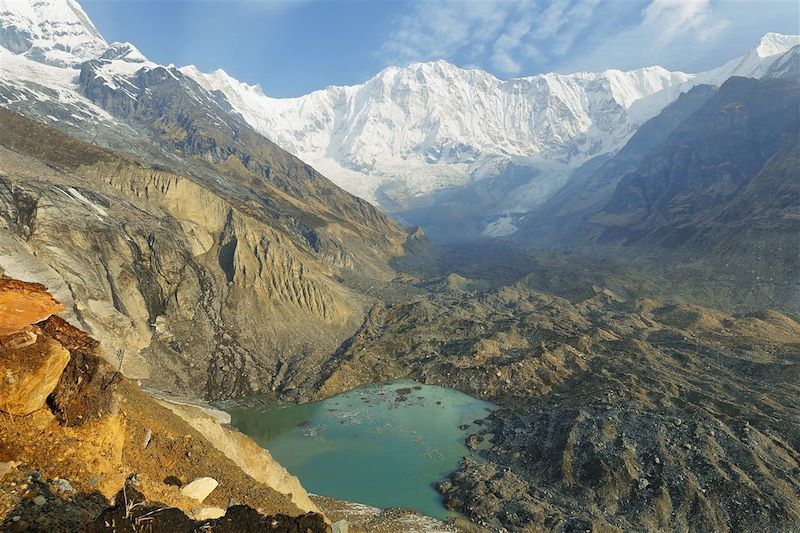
column 28, row 375
column 23, row 304
column 200, row 488
column 208, row 513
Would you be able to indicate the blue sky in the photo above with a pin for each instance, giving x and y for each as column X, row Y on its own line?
column 292, row 47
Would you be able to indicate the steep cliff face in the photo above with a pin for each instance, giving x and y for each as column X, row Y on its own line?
column 199, row 288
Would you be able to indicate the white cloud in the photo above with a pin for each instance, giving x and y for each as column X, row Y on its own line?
column 669, row 19
column 672, row 33
column 508, row 36
column 443, row 29
column 529, row 36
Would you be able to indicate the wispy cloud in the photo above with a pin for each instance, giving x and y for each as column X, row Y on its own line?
column 510, row 36
column 528, row 36
column 670, row 19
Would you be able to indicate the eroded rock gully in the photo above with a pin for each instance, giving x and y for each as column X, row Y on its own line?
column 192, row 287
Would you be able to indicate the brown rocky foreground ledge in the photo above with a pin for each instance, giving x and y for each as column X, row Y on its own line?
column 73, row 430
column 30, row 363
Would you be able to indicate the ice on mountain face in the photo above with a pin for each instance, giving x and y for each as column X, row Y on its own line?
column 55, row 32
column 118, row 63
column 42, row 45
column 431, row 126
column 47, row 93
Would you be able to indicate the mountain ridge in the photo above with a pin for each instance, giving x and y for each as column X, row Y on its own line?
column 430, row 141
column 459, row 151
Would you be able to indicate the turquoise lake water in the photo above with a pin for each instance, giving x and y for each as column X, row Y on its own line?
column 383, row 445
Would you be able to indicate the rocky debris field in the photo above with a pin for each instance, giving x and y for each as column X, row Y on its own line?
column 619, row 414
column 30, row 502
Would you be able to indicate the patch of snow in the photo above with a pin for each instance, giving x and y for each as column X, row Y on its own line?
column 81, row 198
column 502, row 227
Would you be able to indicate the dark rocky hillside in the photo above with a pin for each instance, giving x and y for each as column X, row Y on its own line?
column 712, row 205
column 560, row 220
column 721, row 195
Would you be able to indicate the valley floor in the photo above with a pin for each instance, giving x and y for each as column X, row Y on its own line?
column 623, row 410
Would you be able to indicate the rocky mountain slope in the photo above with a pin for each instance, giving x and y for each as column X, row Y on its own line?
column 197, row 290
column 198, row 251
column 443, row 146
column 709, row 187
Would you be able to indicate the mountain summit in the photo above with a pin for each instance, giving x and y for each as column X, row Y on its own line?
column 56, row 32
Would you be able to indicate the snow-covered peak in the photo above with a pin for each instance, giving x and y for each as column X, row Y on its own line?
column 756, row 62
column 219, row 80
column 775, row 43
column 124, row 52
column 55, row 32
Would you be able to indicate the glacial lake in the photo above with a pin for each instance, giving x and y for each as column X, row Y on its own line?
column 382, row 445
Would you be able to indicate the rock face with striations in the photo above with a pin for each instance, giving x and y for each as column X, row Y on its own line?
column 204, row 284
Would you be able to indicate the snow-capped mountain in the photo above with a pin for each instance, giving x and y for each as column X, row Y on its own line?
column 43, row 44
column 409, row 132
column 56, row 32
column 410, row 139
column 434, row 125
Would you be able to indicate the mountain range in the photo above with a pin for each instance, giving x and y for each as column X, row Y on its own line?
column 628, row 244
column 455, row 150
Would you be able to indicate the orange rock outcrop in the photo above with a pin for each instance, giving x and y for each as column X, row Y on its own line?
column 23, row 304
